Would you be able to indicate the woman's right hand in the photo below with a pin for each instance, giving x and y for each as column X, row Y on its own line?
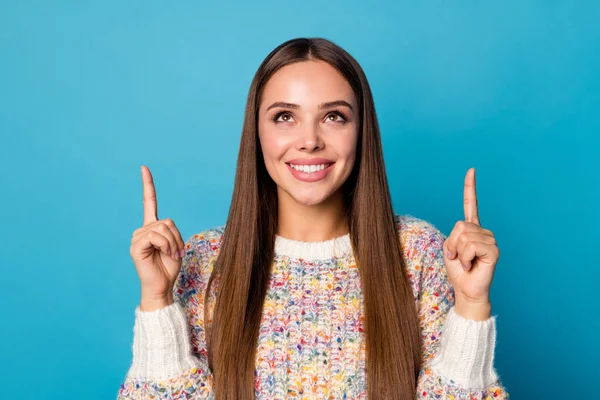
column 157, row 249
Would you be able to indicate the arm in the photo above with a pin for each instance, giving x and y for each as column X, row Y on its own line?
column 169, row 347
column 458, row 353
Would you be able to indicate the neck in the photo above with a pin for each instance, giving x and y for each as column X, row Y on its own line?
column 319, row 222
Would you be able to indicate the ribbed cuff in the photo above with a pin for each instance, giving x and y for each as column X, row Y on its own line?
column 466, row 352
column 161, row 344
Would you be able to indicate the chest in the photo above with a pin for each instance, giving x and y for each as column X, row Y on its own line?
column 311, row 339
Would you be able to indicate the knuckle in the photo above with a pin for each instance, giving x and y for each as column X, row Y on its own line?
column 460, row 225
column 169, row 222
column 163, row 228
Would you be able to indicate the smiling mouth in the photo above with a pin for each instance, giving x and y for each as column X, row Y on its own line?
column 310, row 169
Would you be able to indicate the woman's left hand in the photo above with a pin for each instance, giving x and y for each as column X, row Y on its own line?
column 470, row 255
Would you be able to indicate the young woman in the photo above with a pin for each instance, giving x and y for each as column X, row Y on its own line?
column 314, row 287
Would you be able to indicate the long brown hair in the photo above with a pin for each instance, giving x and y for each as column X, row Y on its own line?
column 246, row 254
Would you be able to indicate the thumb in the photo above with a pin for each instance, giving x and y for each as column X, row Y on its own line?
column 446, row 251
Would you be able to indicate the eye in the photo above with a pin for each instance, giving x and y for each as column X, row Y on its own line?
column 338, row 117
column 335, row 116
column 284, row 114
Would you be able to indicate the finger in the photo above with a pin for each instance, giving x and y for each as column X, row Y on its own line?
column 460, row 228
column 165, row 230
column 150, row 206
column 466, row 238
column 151, row 239
column 473, row 250
column 169, row 223
column 180, row 242
column 470, row 198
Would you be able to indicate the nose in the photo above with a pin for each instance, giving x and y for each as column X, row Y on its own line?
column 311, row 139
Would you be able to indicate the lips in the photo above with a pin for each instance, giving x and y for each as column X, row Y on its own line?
column 309, row 161
column 311, row 176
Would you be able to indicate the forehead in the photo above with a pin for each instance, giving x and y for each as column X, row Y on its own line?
column 307, row 83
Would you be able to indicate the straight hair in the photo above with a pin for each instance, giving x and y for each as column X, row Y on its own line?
column 243, row 265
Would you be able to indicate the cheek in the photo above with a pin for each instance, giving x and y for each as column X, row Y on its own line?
column 273, row 146
column 345, row 145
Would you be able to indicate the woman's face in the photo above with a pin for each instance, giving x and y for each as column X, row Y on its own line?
column 308, row 131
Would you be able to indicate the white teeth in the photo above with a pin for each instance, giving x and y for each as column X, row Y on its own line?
column 309, row 168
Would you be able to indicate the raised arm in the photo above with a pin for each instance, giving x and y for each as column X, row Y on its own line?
column 169, row 346
column 169, row 352
column 458, row 353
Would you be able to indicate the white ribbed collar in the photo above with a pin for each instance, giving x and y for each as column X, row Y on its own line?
column 322, row 250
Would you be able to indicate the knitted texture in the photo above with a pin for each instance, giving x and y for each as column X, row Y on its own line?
column 311, row 342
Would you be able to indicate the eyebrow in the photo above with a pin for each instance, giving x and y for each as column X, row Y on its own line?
column 322, row 106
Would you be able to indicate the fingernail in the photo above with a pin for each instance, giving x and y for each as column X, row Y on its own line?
column 169, row 251
column 182, row 253
column 449, row 254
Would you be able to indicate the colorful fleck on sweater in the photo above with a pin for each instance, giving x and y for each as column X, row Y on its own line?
column 311, row 343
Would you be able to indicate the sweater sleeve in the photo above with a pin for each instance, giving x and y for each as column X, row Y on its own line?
column 458, row 353
column 169, row 347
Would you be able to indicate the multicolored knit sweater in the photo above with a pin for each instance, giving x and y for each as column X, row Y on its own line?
column 311, row 344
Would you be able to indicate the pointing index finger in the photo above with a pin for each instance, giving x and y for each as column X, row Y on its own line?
column 470, row 202
column 150, row 206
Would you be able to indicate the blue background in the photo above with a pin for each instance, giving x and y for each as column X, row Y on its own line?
column 89, row 91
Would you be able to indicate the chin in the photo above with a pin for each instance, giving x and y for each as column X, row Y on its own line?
column 310, row 202
column 310, row 198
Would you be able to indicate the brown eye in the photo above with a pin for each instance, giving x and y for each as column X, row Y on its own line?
column 337, row 117
column 280, row 115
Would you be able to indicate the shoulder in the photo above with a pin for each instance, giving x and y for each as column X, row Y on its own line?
column 201, row 250
column 206, row 242
column 422, row 247
column 417, row 236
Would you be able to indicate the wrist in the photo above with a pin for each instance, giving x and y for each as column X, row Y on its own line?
column 473, row 310
column 148, row 304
